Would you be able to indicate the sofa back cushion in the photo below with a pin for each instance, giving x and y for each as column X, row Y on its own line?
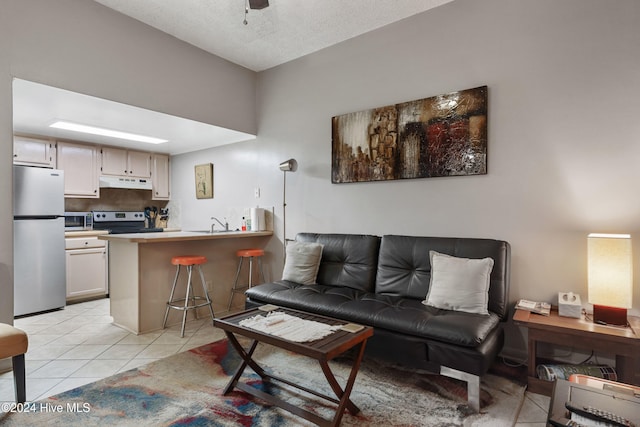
column 404, row 268
column 347, row 259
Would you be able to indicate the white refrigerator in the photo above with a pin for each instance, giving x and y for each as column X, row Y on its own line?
column 38, row 240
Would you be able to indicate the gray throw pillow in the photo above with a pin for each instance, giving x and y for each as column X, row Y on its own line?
column 460, row 284
column 302, row 262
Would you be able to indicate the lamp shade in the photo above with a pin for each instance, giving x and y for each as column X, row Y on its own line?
column 289, row 165
column 610, row 272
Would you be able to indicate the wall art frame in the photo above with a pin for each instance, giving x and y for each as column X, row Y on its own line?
column 444, row 135
column 204, row 181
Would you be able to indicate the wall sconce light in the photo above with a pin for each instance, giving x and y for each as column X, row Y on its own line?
column 610, row 277
column 287, row 166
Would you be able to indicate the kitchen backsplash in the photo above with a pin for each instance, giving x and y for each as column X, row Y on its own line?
column 201, row 220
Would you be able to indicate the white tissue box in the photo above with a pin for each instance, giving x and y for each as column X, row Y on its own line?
column 569, row 305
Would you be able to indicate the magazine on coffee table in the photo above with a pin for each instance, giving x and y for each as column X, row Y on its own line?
column 543, row 308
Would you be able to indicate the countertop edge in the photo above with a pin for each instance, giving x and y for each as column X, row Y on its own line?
column 85, row 233
column 171, row 236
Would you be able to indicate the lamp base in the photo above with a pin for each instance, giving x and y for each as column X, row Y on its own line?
column 609, row 315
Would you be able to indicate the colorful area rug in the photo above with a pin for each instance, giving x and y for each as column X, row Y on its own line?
column 185, row 390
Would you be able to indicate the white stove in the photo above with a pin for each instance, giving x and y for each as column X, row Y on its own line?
column 122, row 222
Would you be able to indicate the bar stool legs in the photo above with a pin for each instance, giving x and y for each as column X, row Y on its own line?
column 189, row 301
column 242, row 254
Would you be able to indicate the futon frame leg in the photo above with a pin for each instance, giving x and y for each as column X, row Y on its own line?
column 473, row 385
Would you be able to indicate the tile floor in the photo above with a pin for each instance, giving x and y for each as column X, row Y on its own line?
column 534, row 411
column 79, row 345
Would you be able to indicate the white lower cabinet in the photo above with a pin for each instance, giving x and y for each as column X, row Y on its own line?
column 86, row 260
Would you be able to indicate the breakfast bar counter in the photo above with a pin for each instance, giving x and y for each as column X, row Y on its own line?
column 174, row 236
column 141, row 273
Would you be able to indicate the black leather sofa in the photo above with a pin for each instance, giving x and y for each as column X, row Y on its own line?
column 382, row 281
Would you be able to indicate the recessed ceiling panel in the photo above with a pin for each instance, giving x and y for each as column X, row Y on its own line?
column 37, row 106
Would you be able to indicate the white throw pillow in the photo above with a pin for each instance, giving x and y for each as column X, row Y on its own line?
column 303, row 262
column 460, row 284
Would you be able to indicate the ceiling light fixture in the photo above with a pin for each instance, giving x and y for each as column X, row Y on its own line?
column 253, row 4
column 75, row 127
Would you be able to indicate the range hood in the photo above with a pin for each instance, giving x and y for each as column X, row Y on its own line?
column 123, row 182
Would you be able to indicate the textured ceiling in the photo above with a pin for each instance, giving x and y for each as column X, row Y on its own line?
column 286, row 30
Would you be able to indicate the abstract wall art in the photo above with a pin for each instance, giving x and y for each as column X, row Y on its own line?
column 444, row 135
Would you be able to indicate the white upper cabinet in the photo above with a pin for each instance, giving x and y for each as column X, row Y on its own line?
column 80, row 165
column 34, row 152
column 120, row 162
column 139, row 164
column 84, row 163
column 160, row 177
column 114, row 161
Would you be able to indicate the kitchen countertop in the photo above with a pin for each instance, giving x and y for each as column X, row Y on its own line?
column 171, row 236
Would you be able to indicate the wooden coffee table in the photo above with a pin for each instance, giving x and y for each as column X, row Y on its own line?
column 321, row 350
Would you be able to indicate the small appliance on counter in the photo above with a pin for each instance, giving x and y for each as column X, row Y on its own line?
column 121, row 222
column 78, row 221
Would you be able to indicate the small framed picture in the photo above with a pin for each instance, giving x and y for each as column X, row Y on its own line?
column 204, row 181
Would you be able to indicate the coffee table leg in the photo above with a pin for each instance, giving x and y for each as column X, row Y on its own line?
column 343, row 395
column 246, row 360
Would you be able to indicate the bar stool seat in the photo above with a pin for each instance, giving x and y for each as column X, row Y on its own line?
column 189, row 301
column 248, row 253
column 188, row 260
column 14, row 343
column 242, row 254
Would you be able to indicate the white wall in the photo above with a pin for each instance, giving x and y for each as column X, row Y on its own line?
column 564, row 135
column 563, row 81
column 82, row 46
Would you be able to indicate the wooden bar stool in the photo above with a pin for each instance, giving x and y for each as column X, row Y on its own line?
column 14, row 343
column 189, row 301
column 242, row 254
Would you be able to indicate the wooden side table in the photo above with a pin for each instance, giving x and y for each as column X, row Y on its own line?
column 624, row 343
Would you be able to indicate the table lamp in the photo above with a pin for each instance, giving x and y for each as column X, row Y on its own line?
column 610, row 277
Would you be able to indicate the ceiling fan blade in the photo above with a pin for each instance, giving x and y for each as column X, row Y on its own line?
column 258, row 4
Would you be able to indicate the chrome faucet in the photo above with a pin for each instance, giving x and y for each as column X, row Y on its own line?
column 225, row 225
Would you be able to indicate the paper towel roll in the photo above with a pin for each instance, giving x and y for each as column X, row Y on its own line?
column 257, row 219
